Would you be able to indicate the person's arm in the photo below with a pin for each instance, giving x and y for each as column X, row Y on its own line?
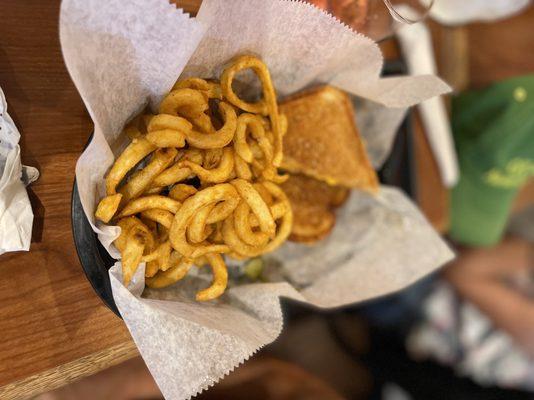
column 480, row 275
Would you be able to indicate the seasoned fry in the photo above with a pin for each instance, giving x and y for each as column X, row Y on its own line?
column 168, row 130
column 200, row 192
column 219, row 138
column 148, row 202
column 223, row 210
column 186, row 102
column 203, row 124
column 181, row 192
column 166, row 138
column 250, row 123
column 172, row 275
column 242, row 169
column 257, row 205
column 212, row 158
column 172, row 122
column 237, row 246
column 287, row 218
column 198, row 230
column 154, row 190
column 135, row 152
column 178, row 173
column 133, row 225
column 108, row 207
column 211, row 90
column 190, row 207
column 243, row 227
column 152, row 225
column 220, row 279
column 160, row 256
column 216, row 175
column 140, row 181
column 283, row 125
column 131, row 256
column 277, row 211
column 162, row 217
column 264, row 193
column 266, row 106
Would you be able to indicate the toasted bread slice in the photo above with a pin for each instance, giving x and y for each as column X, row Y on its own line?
column 301, row 189
column 322, row 140
column 312, row 202
column 311, row 224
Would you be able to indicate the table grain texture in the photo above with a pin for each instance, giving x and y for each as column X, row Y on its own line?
column 53, row 327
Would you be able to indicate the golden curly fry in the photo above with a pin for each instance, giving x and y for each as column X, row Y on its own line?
column 148, row 202
column 277, row 210
column 216, row 175
column 244, row 229
column 172, row 275
column 152, row 225
column 234, row 242
column 264, row 193
column 250, row 123
column 186, row 102
column 198, row 230
column 257, row 205
column 203, row 124
column 223, row 210
column 219, row 138
column 141, row 180
column 107, row 207
column 178, row 173
column 172, row 175
column 212, row 158
column 130, row 157
column 168, row 130
column 259, row 153
column 266, row 106
column 154, row 190
column 162, row 217
column 283, row 125
column 159, row 259
column 216, row 195
column 166, row 138
column 130, row 226
column 284, row 228
column 242, row 169
column 180, row 192
column 131, row 256
column 190, row 207
column 166, row 121
column 283, row 212
column 211, row 90
column 220, row 279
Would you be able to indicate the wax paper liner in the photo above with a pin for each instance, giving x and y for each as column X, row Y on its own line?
column 16, row 215
column 124, row 54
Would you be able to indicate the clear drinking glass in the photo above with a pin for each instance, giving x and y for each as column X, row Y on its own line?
column 376, row 19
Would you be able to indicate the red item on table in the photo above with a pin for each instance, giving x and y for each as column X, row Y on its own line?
column 351, row 12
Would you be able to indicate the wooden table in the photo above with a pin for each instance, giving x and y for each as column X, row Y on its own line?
column 53, row 328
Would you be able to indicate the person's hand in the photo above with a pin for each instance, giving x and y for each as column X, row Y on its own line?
column 512, row 258
column 491, row 278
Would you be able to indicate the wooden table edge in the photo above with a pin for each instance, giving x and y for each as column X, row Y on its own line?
column 69, row 372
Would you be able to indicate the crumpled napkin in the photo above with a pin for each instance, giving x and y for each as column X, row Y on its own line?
column 16, row 216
